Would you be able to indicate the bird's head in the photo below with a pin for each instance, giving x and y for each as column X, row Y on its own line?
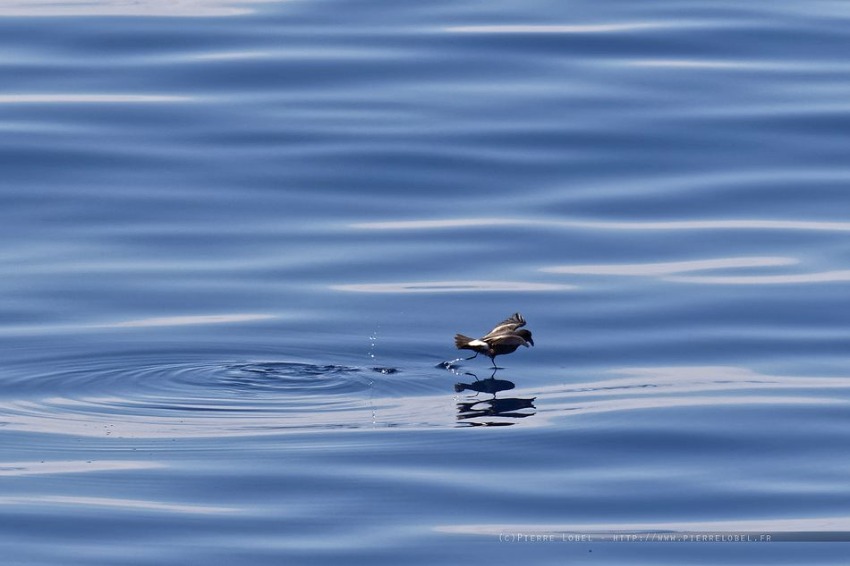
column 526, row 335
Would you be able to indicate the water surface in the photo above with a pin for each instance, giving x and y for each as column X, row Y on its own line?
column 237, row 239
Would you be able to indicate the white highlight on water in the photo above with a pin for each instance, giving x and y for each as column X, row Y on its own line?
column 135, row 504
column 567, row 29
column 72, row 466
column 672, row 225
column 159, row 8
column 450, row 287
column 790, row 279
column 88, row 98
column 669, row 268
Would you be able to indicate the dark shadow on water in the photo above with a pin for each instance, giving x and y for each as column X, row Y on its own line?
column 492, row 411
column 510, row 408
column 490, row 385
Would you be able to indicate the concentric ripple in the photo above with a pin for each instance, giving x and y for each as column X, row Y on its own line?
column 135, row 397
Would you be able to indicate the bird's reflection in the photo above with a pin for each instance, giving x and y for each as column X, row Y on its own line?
column 490, row 385
column 492, row 411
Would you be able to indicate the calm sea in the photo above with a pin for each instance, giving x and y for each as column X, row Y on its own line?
column 237, row 239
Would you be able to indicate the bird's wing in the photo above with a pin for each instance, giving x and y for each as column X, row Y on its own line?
column 506, row 339
column 507, row 325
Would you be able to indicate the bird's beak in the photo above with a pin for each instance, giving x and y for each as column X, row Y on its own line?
column 530, row 341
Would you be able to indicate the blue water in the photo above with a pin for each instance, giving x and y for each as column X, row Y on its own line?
column 237, row 240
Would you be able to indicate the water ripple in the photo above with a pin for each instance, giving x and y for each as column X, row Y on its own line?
column 142, row 8
column 123, row 397
column 91, row 98
column 452, row 287
column 663, row 225
column 188, row 320
column 672, row 267
column 571, row 29
column 137, row 505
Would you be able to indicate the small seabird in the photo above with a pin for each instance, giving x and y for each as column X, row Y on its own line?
column 503, row 339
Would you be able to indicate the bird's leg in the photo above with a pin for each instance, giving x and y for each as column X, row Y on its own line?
column 472, row 357
column 493, row 359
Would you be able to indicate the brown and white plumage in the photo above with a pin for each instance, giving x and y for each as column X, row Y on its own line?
column 508, row 325
column 505, row 338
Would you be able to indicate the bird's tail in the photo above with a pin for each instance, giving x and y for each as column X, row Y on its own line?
column 462, row 342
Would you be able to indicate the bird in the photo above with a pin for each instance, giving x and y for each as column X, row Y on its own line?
column 505, row 338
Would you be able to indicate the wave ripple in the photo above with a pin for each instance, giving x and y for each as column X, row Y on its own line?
column 133, row 398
